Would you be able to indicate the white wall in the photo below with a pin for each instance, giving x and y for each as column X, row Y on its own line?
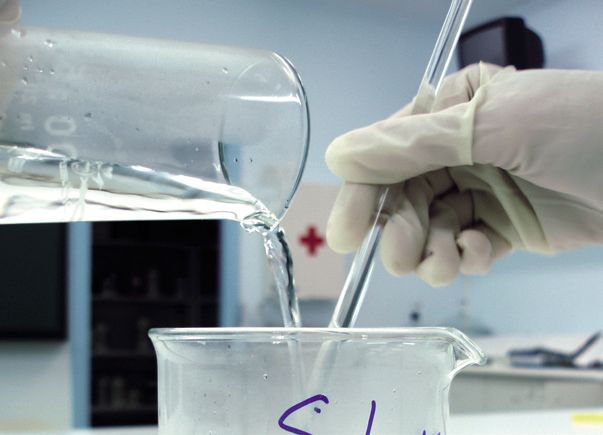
column 35, row 386
column 571, row 30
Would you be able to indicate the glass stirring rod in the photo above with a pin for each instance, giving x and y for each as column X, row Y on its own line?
column 354, row 289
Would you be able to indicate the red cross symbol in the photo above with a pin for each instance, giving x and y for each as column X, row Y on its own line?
column 312, row 240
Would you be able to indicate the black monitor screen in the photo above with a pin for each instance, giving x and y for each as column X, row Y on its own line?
column 487, row 46
column 503, row 42
column 32, row 281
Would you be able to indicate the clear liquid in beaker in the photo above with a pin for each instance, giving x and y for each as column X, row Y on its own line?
column 41, row 186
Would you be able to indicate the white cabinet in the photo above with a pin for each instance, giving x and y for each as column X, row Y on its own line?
column 504, row 388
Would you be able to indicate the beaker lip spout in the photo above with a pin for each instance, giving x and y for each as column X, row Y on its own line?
column 466, row 351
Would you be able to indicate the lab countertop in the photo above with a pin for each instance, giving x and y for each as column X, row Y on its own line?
column 553, row 422
column 502, row 368
column 557, row 422
column 498, row 347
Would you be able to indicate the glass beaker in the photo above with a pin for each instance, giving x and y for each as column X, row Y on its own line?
column 108, row 127
column 308, row 381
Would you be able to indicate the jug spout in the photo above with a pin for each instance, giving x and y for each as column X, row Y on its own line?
column 466, row 352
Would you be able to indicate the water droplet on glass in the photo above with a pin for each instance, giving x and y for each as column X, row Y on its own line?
column 31, row 58
column 88, row 115
column 51, row 72
column 265, row 376
column 25, row 67
column 25, row 81
column 225, row 70
column 50, row 43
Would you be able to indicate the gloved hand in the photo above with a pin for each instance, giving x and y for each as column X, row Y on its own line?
column 506, row 160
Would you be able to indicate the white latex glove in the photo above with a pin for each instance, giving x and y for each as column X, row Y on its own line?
column 507, row 160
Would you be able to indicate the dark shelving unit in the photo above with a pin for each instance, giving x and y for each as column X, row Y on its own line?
column 144, row 275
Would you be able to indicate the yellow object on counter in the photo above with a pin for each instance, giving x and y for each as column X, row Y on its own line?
column 590, row 418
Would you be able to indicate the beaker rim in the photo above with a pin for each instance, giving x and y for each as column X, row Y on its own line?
column 465, row 348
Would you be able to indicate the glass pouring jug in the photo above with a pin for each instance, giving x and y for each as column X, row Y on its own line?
column 308, row 381
column 107, row 127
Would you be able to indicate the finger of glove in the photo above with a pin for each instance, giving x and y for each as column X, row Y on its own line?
column 396, row 149
column 404, row 234
column 351, row 216
column 441, row 262
column 479, row 245
column 451, row 212
column 480, row 248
